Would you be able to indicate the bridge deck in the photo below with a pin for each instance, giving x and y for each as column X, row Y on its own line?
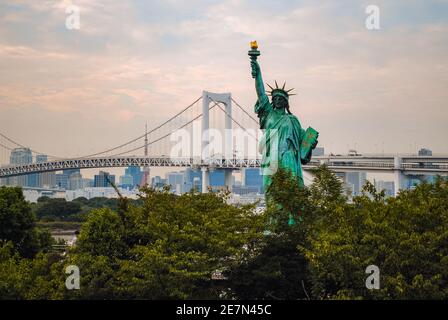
column 410, row 165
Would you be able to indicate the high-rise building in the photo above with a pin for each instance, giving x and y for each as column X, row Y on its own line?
column 193, row 179
column 75, row 181
column 45, row 179
column 33, row 180
column 40, row 158
column 157, row 182
column 145, row 178
column 20, row 156
column 126, row 181
column 62, row 179
column 100, row 180
column 177, row 181
column 217, row 178
column 253, row 178
column 136, row 174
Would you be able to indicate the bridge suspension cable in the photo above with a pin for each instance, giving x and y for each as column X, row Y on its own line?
column 143, row 135
column 244, row 110
column 168, row 134
column 6, row 147
column 22, row 146
column 230, row 116
column 105, row 151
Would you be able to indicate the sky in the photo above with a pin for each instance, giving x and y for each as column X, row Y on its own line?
column 75, row 92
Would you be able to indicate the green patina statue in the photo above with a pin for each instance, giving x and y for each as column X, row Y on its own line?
column 285, row 143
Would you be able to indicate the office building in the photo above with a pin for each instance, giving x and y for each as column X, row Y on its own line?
column 62, row 179
column 126, row 181
column 252, row 178
column 193, row 179
column 33, row 180
column 45, row 179
column 177, row 181
column 75, row 181
column 157, row 182
column 20, row 156
column 101, row 180
column 217, row 178
column 136, row 174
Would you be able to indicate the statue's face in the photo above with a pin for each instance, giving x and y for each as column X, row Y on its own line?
column 279, row 102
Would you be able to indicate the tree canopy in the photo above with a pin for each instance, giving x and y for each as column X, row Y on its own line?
column 18, row 224
column 309, row 243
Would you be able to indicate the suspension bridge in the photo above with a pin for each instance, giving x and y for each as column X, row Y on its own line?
column 200, row 120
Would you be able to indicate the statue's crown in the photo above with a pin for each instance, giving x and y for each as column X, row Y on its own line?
column 280, row 91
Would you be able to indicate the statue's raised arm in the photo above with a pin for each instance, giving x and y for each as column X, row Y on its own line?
column 256, row 71
column 256, row 74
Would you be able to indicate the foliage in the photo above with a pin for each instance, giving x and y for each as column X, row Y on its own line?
column 406, row 237
column 168, row 248
column 310, row 243
column 276, row 269
column 58, row 208
column 17, row 224
column 23, row 278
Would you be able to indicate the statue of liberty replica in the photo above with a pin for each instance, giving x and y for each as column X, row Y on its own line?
column 285, row 144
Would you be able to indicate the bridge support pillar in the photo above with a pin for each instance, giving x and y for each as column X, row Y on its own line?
column 243, row 176
column 398, row 175
column 228, row 179
column 205, row 179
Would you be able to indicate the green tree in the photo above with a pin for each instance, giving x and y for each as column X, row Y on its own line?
column 57, row 208
column 170, row 247
column 17, row 224
column 23, row 278
column 276, row 269
column 406, row 237
column 103, row 235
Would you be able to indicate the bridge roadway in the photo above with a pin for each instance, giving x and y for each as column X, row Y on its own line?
column 403, row 164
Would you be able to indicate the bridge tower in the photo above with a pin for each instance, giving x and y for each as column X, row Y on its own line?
column 226, row 99
column 398, row 175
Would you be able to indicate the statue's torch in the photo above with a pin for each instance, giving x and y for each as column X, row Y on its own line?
column 253, row 53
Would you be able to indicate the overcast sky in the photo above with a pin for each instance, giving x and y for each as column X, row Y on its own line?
column 72, row 92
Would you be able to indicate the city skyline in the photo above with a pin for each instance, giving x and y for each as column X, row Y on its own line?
column 74, row 92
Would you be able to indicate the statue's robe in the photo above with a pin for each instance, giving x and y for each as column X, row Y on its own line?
column 281, row 142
